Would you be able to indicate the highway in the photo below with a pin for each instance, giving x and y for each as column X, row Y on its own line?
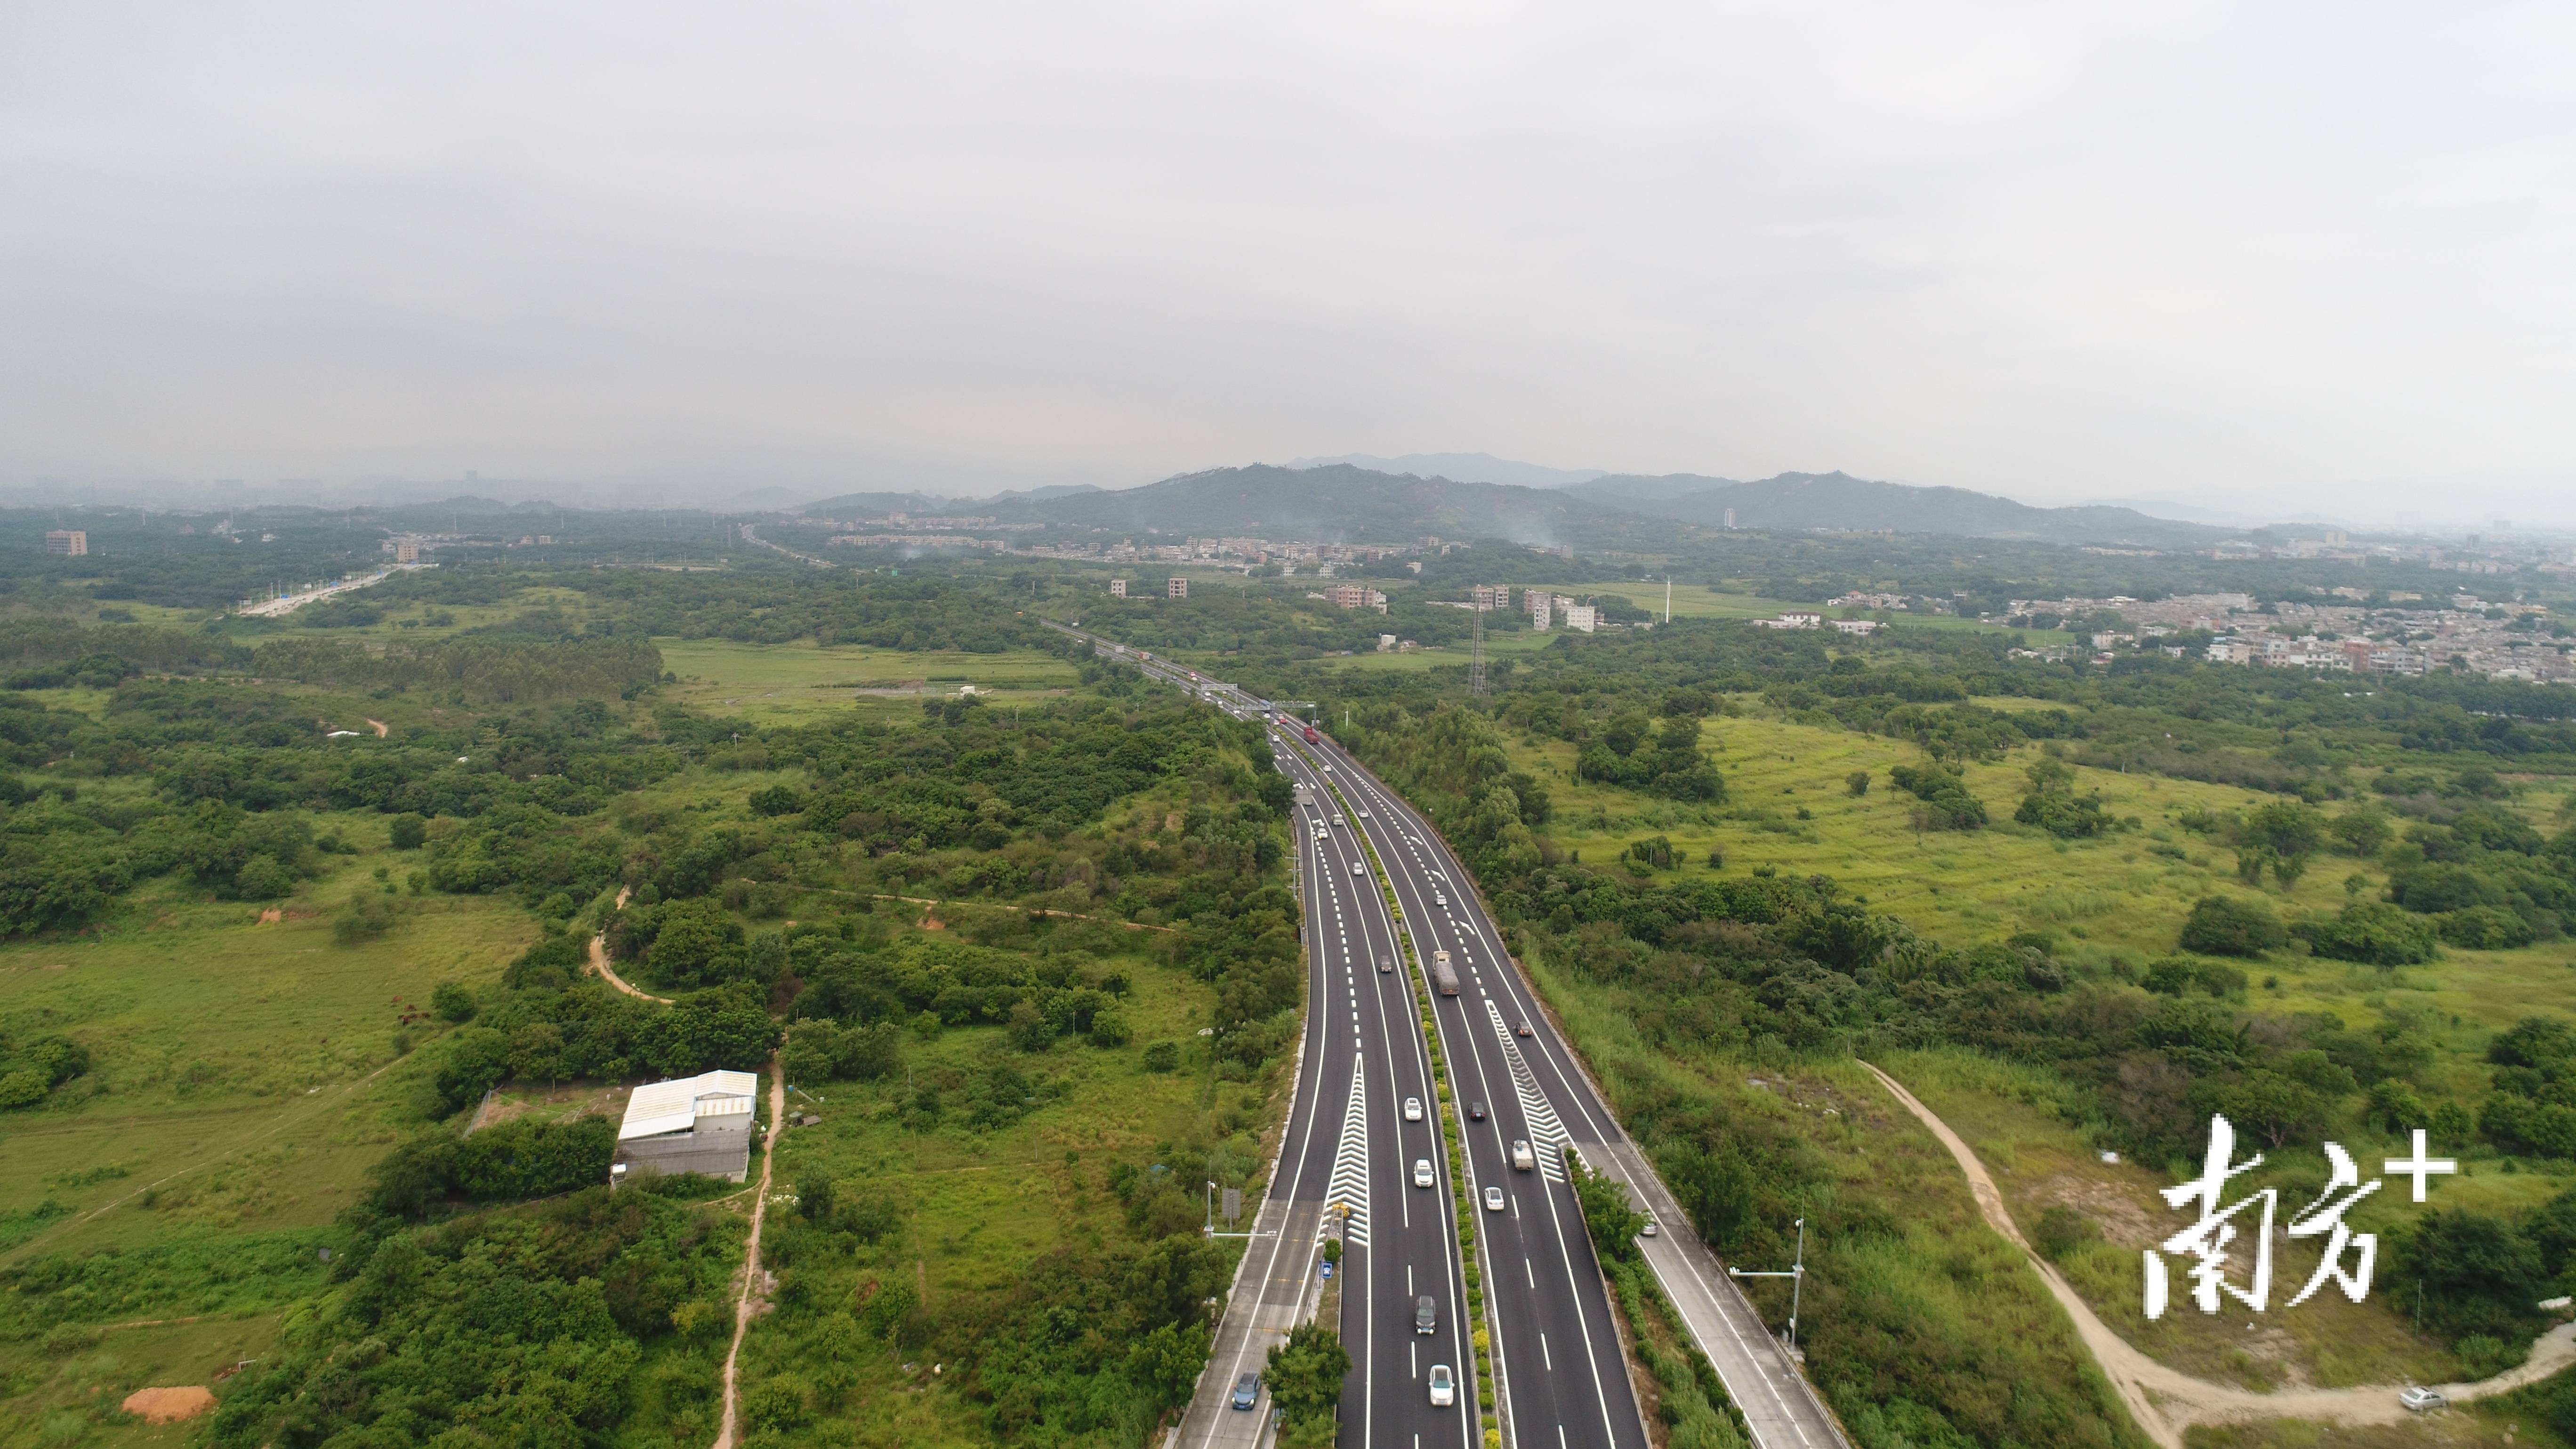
column 1562, row 1377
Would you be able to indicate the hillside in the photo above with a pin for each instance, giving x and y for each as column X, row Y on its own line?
column 1838, row 500
column 1336, row 503
column 1464, row 467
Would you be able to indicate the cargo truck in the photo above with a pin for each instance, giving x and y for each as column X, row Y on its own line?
column 1444, row 977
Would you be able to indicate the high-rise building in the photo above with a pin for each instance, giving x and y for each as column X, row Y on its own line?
column 1730, row 518
column 71, row 541
column 1177, row 589
column 1540, row 605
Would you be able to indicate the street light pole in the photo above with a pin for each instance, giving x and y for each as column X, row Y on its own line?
column 1796, row 1273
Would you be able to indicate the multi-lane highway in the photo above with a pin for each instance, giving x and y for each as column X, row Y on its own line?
column 1562, row 1382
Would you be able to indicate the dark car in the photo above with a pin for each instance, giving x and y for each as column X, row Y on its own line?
column 1475, row 1111
column 1247, row 1391
column 1426, row 1314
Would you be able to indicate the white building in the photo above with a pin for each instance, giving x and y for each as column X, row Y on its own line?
column 1176, row 589
column 1855, row 626
column 1582, row 616
column 1117, row 588
column 691, row 1124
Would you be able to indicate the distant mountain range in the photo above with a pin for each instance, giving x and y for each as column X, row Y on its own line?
column 1345, row 502
column 1463, row 467
column 1838, row 500
column 1332, row 503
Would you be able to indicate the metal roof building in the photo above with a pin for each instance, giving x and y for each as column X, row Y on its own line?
column 690, row 1124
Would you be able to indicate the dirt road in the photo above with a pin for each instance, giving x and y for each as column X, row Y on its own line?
column 2166, row 1401
column 751, row 1297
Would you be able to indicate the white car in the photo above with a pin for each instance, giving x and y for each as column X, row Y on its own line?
column 1357, row 869
column 1438, row 899
column 1444, row 1390
column 1364, row 812
column 1493, row 1199
column 1413, row 1109
column 2422, row 1401
column 1322, row 834
column 1422, row 1172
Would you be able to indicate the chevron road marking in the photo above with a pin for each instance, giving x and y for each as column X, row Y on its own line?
column 1349, row 1185
column 1548, row 1137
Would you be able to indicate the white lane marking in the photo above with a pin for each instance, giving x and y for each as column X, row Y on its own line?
column 1548, row 1137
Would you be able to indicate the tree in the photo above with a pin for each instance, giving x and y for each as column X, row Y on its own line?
column 1857, row 782
column 1305, row 1374
column 452, row 1002
column 409, row 831
column 2225, row 926
column 2276, row 1106
column 1613, row 1222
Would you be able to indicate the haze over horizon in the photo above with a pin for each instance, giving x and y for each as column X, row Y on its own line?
column 2294, row 260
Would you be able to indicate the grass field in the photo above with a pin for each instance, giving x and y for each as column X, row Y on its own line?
column 799, row 683
column 976, row 1208
column 2110, row 902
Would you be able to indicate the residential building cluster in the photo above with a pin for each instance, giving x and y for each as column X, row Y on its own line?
column 2343, row 632
column 1803, row 619
column 919, row 540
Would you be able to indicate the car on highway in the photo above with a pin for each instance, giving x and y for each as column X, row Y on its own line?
column 1493, row 1199
column 1426, row 1314
column 1422, row 1172
column 1413, row 1109
column 1364, row 815
column 1356, row 869
column 1444, row 1389
column 1649, row 1230
column 1439, row 899
column 1385, row 965
column 1475, row 1111
column 1524, row 1030
column 1522, row 1158
column 1247, row 1391
column 1322, row 834
column 2422, row 1401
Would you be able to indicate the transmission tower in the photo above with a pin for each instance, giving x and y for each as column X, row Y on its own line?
column 1476, row 663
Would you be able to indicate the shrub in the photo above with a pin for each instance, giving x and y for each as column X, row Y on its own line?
column 1163, row 1056
column 2182, row 976
column 2373, row 933
column 1947, row 805
column 2225, row 926
column 1857, row 782
column 2487, row 928
column 452, row 1002
column 2060, row 1231
column 776, row 800
column 365, row 919
column 409, row 831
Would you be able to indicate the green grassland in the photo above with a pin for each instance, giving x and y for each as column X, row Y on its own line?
column 771, row 684
column 2111, row 902
column 250, row 1072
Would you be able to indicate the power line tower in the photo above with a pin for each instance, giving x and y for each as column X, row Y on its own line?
column 1476, row 663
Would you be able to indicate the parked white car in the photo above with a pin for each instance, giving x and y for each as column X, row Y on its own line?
column 2422, row 1401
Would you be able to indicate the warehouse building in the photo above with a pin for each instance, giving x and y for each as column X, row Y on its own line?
column 693, row 1124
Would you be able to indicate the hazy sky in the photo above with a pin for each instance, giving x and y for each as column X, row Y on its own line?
column 2315, row 255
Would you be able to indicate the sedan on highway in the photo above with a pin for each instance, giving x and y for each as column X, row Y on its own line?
column 1444, row 1390
column 1524, row 1030
column 1413, row 1109
column 1493, row 1199
column 1475, row 1111
column 1438, row 899
column 1422, row 1172
column 1356, row 869
column 1247, row 1391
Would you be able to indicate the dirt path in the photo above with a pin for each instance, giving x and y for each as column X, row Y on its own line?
column 599, row 962
column 382, row 729
column 2166, row 1401
column 752, row 1298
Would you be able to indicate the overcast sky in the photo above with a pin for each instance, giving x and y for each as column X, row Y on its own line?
column 2265, row 257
